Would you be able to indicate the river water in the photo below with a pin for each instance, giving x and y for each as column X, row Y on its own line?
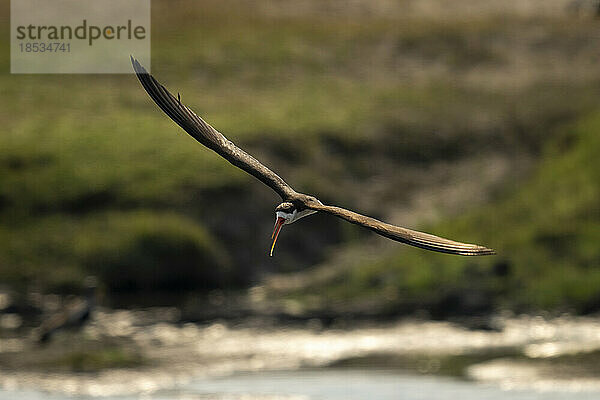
column 526, row 358
column 329, row 384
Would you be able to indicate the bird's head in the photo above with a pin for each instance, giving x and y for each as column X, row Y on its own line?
column 286, row 213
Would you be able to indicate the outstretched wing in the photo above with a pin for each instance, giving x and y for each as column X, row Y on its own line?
column 207, row 135
column 408, row 236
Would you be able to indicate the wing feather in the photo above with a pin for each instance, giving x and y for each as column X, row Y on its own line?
column 404, row 235
column 207, row 135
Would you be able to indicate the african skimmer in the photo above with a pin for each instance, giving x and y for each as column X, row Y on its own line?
column 295, row 205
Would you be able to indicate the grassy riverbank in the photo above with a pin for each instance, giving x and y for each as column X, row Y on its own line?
column 411, row 117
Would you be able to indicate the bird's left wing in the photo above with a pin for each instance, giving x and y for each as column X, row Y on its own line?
column 207, row 135
column 404, row 235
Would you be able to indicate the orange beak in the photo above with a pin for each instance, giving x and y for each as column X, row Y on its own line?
column 278, row 224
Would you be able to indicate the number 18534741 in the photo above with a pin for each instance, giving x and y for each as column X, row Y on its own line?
column 45, row 47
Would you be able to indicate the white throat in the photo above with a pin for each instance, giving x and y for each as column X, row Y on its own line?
column 294, row 215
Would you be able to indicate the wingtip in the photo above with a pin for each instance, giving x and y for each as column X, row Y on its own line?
column 483, row 251
column 471, row 250
column 137, row 67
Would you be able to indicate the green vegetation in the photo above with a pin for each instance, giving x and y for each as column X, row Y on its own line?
column 546, row 233
column 443, row 364
column 370, row 112
column 114, row 246
column 584, row 364
column 73, row 353
column 95, row 360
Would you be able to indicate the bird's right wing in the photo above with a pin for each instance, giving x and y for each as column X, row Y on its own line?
column 207, row 135
column 404, row 235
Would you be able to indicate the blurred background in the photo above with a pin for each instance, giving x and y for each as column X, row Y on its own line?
column 128, row 267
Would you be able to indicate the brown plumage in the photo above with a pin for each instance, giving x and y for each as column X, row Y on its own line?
column 214, row 140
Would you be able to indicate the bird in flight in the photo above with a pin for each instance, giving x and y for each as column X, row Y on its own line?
column 295, row 205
